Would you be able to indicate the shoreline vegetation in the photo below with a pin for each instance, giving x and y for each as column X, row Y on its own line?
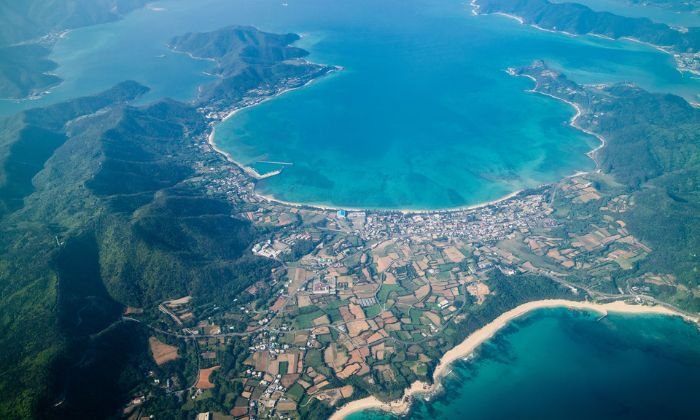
column 28, row 71
column 667, row 49
column 467, row 347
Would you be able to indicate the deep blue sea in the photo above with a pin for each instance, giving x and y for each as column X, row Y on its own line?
column 562, row 364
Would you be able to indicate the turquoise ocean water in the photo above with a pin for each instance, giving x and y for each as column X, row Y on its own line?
column 424, row 116
column 561, row 364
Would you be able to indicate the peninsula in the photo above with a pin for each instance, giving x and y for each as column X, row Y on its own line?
column 577, row 19
column 28, row 34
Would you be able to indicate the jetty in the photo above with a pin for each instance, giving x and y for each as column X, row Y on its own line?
column 271, row 162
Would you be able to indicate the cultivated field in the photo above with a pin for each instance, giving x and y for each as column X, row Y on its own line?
column 162, row 353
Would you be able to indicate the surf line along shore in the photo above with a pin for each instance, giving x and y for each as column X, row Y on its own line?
column 478, row 337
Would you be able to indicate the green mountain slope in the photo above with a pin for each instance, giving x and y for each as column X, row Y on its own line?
column 245, row 59
column 653, row 151
column 579, row 19
column 24, row 62
column 105, row 205
column 28, row 19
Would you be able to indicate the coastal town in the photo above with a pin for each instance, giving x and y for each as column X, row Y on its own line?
column 361, row 298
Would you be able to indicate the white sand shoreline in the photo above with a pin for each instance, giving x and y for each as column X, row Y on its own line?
column 331, row 207
column 478, row 337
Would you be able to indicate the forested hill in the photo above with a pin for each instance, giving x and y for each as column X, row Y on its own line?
column 24, row 20
column 98, row 220
column 30, row 138
column 245, row 58
column 652, row 152
column 24, row 62
column 579, row 19
column 104, row 205
column 236, row 45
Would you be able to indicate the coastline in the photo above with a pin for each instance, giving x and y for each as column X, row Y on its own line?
column 407, row 211
column 573, row 122
column 330, row 207
column 211, row 139
column 49, row 41
column 245, row 168
column 474, row 340
column 475, row 11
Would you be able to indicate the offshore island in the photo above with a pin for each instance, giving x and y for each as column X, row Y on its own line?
column 271, row 309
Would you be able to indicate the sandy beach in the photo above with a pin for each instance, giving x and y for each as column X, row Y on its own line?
column 471, row 343
column 330, row 207
column 248, row 170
